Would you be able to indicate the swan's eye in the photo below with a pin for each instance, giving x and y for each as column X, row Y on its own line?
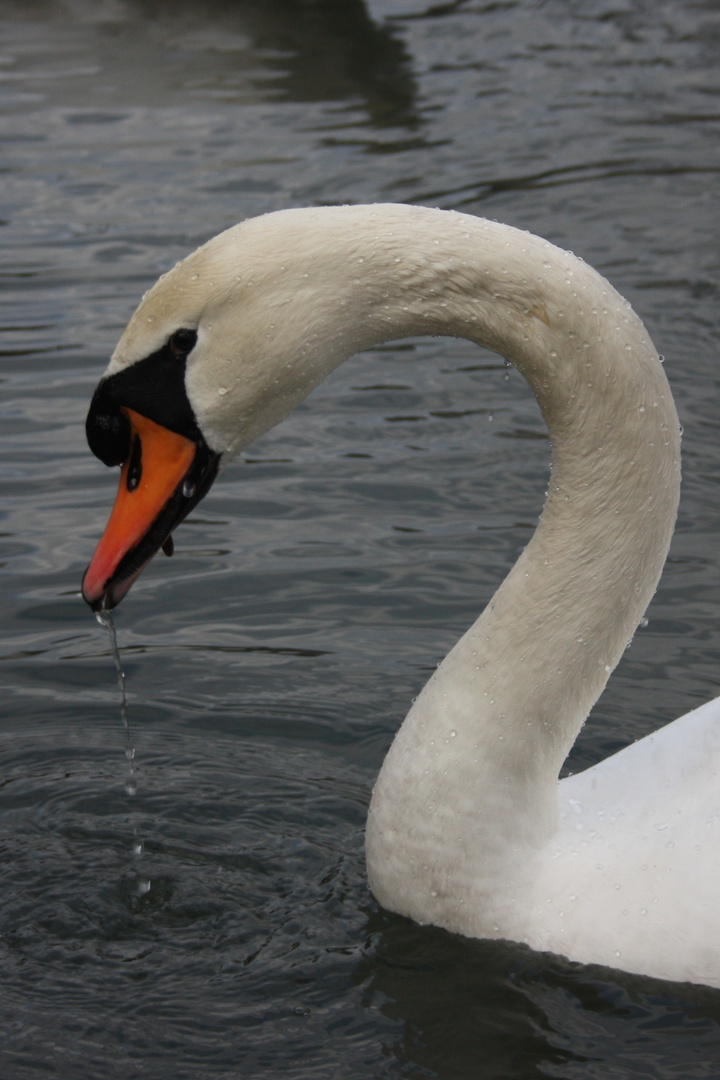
column 182, row 342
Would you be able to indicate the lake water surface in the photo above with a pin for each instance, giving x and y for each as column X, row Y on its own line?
column 217, row 923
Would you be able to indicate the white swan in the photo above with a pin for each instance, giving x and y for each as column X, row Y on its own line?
column 468, row 826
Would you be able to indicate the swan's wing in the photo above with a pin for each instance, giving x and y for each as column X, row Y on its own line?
column 637, row 856
column 673, row 772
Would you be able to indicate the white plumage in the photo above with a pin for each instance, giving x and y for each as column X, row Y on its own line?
column 468, row 826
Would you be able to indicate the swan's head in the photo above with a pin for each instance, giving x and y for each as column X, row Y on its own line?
column 141, row 418
column 234, row 337
column 220, row 349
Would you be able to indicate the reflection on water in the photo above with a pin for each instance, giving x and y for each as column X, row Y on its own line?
column 270, row 660
column 282, row 50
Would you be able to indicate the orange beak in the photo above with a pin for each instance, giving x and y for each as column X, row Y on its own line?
column 151, row 482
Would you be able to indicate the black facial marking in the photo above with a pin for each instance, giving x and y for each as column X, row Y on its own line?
column 108, row 431
column 153, row 387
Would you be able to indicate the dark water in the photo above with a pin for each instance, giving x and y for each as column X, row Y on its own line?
column 271, row 659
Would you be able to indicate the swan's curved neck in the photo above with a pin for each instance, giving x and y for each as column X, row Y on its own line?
column 473, row 770
column 471, row 777
column 559, row 623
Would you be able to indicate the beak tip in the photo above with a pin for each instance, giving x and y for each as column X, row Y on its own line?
column 96, row 598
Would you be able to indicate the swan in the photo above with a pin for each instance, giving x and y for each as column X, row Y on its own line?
column 468, row 826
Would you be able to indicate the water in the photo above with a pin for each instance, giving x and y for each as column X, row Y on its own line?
column 269, row 662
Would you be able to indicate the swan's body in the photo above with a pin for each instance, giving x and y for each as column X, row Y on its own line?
column 468, row 827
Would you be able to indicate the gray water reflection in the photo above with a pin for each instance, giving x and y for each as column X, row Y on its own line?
column 271, row 659
column 141, row 53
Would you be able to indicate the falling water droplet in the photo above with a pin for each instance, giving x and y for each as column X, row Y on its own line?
column 104, row 617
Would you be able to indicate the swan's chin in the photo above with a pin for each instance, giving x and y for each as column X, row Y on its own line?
column 164, row 476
